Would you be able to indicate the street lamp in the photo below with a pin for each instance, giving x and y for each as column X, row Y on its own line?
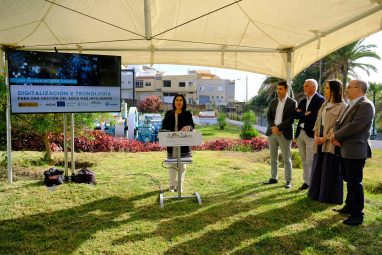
column 374, row 133
column 246, row 87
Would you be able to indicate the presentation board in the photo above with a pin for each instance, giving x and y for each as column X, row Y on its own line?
column 51, row 82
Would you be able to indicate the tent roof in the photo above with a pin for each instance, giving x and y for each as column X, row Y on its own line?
column 250, row 35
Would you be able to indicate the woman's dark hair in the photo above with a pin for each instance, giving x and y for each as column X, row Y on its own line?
column 335, row 91
column 184, row 102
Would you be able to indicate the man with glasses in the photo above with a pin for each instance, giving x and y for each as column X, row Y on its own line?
column 351, row 134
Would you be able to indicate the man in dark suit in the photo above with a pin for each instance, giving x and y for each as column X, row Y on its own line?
column 306, row 113
column 351, row 134
column 280, row 132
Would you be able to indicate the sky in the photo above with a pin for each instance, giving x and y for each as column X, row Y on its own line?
column 255, row 80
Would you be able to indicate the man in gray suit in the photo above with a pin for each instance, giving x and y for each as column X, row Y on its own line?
column 351, row 134
column 280, row 118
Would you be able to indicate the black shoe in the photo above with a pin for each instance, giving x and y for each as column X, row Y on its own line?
column 304, row 187
column 353, row 221
column 288, row 185
column 271, row 181
column 342, row 211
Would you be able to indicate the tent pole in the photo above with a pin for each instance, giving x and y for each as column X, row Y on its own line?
column 147, row 13
column 289, row 71
column 320, row 77
column 72, row 155
column 4, row 67
column 2, row 62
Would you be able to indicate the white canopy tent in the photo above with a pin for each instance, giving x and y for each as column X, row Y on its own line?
column 273, row 37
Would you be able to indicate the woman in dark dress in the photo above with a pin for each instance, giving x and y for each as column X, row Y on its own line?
column 326, row 178
column 177, row 119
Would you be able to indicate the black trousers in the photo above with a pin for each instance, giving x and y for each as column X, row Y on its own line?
column 353, row 174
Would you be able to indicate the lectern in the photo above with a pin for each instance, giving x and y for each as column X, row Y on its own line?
column 176, row 140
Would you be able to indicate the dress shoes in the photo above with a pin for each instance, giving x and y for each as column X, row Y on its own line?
column 304, row 187
column 271, row 181
column 353, row 221
column 342, row 211
column 288, row 185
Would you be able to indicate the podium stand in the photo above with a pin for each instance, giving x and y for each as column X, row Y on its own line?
column 176, row 140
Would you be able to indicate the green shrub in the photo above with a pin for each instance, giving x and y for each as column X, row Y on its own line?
column 248, row 131
column 296, row 160
column 222, row 120
column 249, row 117
column 248, row 134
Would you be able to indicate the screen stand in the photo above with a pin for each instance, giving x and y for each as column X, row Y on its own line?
column 195, row 195
column 66, row 148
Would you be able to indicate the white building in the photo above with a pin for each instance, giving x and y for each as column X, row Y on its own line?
column 198, row 86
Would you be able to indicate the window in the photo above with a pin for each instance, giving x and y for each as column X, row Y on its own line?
column 190, row 83
column 167, row 84
column 210, row 88
column 169, row 94
column 201, row 88
column 148, row 84
column 221, row 88
column 182, row 84
column 213, row 97
column 190, row 100
column 139, row 84
column 168, row 97
column 158, row 90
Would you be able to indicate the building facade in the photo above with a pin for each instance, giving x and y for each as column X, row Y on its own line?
column 198, row 87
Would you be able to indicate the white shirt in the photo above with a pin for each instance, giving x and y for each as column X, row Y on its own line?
column 279, row 111
column 308, row 99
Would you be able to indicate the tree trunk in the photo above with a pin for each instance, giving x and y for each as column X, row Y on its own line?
column 344, row 79
column 48, row 151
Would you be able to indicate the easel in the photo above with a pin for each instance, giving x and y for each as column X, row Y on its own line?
column 176, row 140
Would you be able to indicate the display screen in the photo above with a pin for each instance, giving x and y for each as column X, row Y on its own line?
column 50, row 82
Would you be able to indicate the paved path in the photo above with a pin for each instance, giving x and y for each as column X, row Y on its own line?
column 375, row 144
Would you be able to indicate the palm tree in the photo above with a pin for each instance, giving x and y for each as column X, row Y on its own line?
column 269, row 86
column 337, row 65
column 343, row 62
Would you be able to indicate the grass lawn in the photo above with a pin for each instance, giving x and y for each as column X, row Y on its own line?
column 121, row 215
column 212, row 132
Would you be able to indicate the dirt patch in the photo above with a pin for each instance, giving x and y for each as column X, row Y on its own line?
column 21, row 173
